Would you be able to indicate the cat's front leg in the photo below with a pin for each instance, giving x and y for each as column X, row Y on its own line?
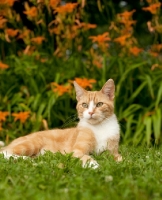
column 87, row 161
column 113, row 146
column 84, row 145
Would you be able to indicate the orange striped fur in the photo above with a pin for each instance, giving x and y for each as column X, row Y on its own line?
column 97, row 130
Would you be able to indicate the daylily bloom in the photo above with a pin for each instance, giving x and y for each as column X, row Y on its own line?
column 31, row 12
column 3, row 115
column 101, row 38
column 149, row 1
column 11, row 32
column 67, row 8
column 156, row 47
column 54, row 3
column 38, row 40
column 85, row 26
column 2, row 22
column 84, row 82
column 24, row 34
column 10, row 2
column 126, row 15
column 152, row 8
column 135, row 50
column 3, row 66
column 60, row 89
column 128, row 22
column 122, row 39
column 154, row 54
column 22, row 116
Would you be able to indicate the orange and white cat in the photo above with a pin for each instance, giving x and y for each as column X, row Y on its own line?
column 97, row 131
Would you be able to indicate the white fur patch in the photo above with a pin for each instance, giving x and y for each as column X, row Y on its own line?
column 103, row 131
column 86, row 113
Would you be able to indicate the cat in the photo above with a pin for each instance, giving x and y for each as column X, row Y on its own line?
column 97, row 131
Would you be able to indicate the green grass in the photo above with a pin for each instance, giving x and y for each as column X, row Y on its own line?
column 47, row 177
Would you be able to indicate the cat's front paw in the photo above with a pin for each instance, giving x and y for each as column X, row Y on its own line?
column 91, row 164
column 118, row 158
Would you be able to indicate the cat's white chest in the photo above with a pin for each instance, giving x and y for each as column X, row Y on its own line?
column 103, row 132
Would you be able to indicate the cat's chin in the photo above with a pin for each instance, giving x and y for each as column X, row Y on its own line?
column 94, row 121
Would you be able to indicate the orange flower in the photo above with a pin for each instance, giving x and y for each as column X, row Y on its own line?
column 83, row 82
column 11, row 32
column 67, row 8
column 3, row 66
column 38, row 40
column 31, row 12
column 135, row 50
column 60, row 89
column 126, row 15
column 122, row 39
column 100, row 38
column 127, row 23
column 152, row 8
column 3, row 116
column 88, row 26
column 54, row 3
column 22, row 116
column 9, row 2
column 24, row 34
column 156, row 47
column 149, row 1
column 2, row 22
column 97, row 60
column 154, row 54
column 97, row 63
column 85, row 26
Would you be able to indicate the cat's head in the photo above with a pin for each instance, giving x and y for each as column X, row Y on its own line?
column 95, row 106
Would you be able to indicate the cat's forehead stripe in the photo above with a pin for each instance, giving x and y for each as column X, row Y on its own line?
column 92, row 96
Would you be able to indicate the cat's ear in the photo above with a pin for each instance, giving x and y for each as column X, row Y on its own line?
column 79, row 90
column 109, row 89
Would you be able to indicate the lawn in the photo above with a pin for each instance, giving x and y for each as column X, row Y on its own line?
column 139, row 176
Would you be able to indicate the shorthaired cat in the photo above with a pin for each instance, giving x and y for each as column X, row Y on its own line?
column 97, row 131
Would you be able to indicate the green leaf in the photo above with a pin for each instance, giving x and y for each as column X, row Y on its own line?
column 159, row 96
column 148, row 126
column 157, row 120
column 150, row 86
column 137, row 91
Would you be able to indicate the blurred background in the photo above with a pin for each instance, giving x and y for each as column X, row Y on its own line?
column 47, row 44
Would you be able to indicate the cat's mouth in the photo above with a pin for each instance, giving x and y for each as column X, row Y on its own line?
column 93, row 121
column 93, row 118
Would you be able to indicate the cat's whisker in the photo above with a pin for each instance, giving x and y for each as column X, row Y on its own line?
column 69, row 120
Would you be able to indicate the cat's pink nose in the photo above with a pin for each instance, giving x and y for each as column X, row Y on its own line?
column 91, row 113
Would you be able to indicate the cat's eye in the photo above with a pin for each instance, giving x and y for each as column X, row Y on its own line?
column 85, row 105
column 99, row 104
